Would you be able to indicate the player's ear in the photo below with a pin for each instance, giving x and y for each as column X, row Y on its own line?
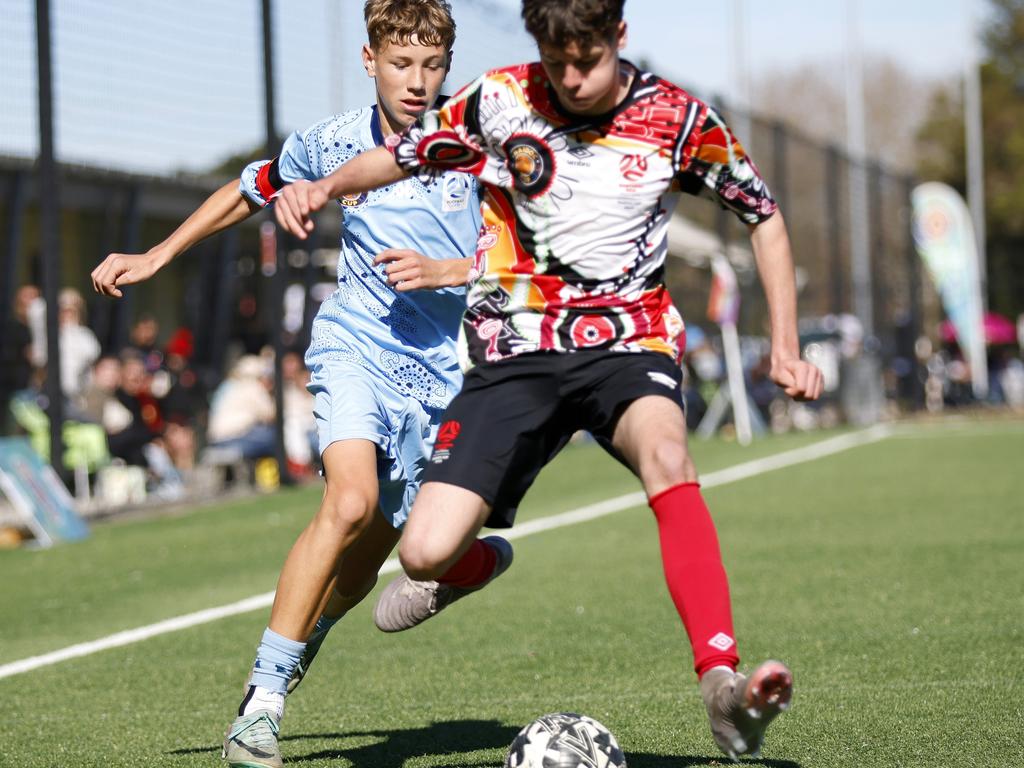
column 369, row 60
column 448, row 65
column 622, row 35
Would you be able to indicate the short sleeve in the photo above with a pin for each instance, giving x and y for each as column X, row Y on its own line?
column 263, row 179
column 714, row 164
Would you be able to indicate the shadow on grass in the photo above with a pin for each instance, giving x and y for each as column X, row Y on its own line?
column 646, row 760
column 455, row 738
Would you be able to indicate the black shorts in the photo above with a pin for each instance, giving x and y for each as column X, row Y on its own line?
column 512, row 417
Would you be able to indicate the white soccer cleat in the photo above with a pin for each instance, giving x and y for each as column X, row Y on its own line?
column 740, row 708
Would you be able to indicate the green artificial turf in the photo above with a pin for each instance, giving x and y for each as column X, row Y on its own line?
column 887, row 576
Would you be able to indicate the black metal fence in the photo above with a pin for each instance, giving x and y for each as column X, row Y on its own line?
column 148, row 127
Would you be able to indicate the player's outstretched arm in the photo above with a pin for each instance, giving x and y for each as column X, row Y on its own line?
column 798, row 379
column 295, row 203
column 409, row 270
column 223, row 208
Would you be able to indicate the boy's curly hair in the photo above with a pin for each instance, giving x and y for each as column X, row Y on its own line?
column 397, row 21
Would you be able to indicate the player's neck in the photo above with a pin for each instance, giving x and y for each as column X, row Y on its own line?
column 388, row 124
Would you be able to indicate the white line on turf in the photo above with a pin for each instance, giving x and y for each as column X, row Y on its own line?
column 732, row 474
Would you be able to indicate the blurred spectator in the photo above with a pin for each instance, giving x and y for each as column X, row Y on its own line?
column 79, row 348
column 99, row 402
column 300, row 437
column 141, row 440
column 183, row 400
column 143, row 340
column 242, row 410
column 16, row 363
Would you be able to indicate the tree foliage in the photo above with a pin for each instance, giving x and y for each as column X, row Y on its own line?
column 941, row 149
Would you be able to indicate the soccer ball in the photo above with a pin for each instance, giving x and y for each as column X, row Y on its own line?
column 565, row 740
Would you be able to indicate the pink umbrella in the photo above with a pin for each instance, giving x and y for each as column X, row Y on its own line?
column 998, row 330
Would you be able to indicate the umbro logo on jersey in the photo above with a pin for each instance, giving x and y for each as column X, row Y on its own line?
column 722, row 642
column 662, row 378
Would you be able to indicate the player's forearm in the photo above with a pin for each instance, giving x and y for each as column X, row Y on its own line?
column 224, row 208
column 370, row 170
column 775, row 264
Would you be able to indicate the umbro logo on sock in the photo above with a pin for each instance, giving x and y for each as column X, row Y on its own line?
column 722, row 642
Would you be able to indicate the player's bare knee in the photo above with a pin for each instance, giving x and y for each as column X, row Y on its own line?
column 346, row 511
column 417, row 560
column 669, row 464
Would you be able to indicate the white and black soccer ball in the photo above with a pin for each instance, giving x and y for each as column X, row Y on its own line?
column 565, row 740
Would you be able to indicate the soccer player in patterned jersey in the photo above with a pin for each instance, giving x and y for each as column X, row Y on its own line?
column 569, row 326
column 383, row 356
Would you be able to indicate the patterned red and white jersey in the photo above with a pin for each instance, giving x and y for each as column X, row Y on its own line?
column 575, row 215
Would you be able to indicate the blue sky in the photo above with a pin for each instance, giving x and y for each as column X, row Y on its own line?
column 153, row 86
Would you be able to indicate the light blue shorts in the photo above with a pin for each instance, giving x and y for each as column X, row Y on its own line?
column 350, row 402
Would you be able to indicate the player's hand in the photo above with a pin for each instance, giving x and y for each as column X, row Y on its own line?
column 408, row 270
column 295, row 204
column 797, row 378
column 124, row 269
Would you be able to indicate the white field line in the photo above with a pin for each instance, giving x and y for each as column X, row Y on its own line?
column 591, row 512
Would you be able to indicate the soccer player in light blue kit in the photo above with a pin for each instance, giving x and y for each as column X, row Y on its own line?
column 382, row 356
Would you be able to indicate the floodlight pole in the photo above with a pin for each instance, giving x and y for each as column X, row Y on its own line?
column 975, row 147
column 49, row 233
column 741, row 118
column 860, row 247
column 277, row 277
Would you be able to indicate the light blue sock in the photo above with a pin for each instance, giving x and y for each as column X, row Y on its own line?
column 276, row 659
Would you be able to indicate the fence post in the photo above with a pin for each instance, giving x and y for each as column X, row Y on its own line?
column 49, row 235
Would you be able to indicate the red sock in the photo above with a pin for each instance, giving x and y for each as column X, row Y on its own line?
column 473, row 568
column 695, row 575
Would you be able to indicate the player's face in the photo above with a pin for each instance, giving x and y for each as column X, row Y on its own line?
column 409, row 78
column 588, row 82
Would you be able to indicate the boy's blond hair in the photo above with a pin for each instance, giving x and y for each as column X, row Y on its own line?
column 397, row 21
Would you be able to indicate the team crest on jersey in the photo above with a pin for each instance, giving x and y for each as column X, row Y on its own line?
column 532, row 164
column 351, row 201
column 455, row 193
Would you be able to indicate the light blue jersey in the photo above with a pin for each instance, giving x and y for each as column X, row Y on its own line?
column 405, row 338
column 400, row 347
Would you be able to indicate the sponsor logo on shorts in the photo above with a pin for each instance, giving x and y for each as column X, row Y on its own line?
column 722, row 642
column 662, row 378
column 446, row 435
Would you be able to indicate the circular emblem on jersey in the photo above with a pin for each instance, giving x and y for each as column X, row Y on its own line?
column 532, row 164
column 592, row 331
column 351, row 201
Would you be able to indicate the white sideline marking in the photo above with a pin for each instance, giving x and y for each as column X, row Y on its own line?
column 591, row 512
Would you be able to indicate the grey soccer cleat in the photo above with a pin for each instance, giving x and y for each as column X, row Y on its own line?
column 251, row 741
column 740, row 708
column 404, row 603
